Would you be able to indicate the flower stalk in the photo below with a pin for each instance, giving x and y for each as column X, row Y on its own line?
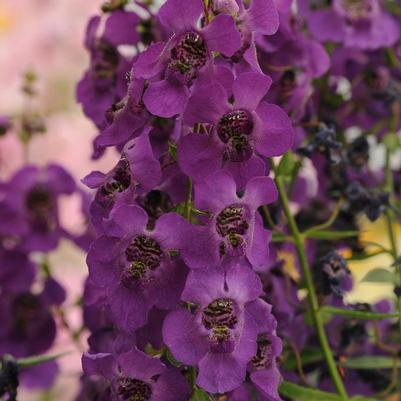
column 299, row 243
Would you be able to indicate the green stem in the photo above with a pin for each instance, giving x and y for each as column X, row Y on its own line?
column 24, row 363
column 299, row 243
column 331, row 219
column 389, row 186
column 188, row 201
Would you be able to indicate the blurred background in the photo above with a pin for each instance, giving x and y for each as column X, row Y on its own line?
column 43, row 38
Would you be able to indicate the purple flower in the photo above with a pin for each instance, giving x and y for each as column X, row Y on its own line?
column 29, row 208
column 332, row 274
column 125, row 119
column 27, row 325
column 171, row 68
column 136, row 376
column 219, row 335
column 260, row 17
column 17, row 272
column 354, row 23
column 104, row 83
column 293, row 60
column 134, row 264
column 235, row 229
column 97, row 388
column 263, row 369
column 238, row 131
column 136, row 167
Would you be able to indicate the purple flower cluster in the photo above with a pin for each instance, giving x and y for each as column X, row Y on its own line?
column 30, row 228
column 205, row 101
column 180, row 239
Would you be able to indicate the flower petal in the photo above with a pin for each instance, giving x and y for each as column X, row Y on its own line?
column 145, row 168
column 165, row 99
column 262, row 17
column 222, row 36
column 275, row 134
column 135, row 363
column 183, row 337
column 219, row 373
column 126, row 219
column 178, row 17
column 199, row 155
column 199, row 108
column 260, row 191
column 249, row 89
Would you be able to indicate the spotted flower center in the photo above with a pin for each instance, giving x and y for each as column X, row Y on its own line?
column 119, row 181
column 219, row 315
column 264, row 354
column 143, row 255
column 235, row 129
column 231, row 224
column 357, row 9
column 133, row 390
column 188, row 56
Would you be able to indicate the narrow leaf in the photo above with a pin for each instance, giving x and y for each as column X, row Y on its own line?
column 379, row 275
column 370, row 362
column 308, row 356
column 37, row 360
column 300, row 393
column 278, row 237
column 286, row 165
column 329, row 310
column 200, row 395
column 323, row 234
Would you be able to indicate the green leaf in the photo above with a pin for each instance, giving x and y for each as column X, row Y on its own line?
column 172, row 149
column 370, row 362
column 37, row 360
column 200, row 395
column 300, row 393
column 365, row 255
column 391, row 141
column 354, row 314
column 379, row 275
column 278, row 237
column 362, row 398
column 323, row 234
column 308, row 356
column 286, row 165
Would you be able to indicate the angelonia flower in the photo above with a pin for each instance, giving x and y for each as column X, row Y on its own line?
column 194, row 276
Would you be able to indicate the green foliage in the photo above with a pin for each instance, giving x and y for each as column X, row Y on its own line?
column 308, row 355
column 286, row 165
column 200, row 395
column 371, row 362
column 380, row 275
column 330, row 235
column 37, row 360
column 300, row 393
column 355, row 314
